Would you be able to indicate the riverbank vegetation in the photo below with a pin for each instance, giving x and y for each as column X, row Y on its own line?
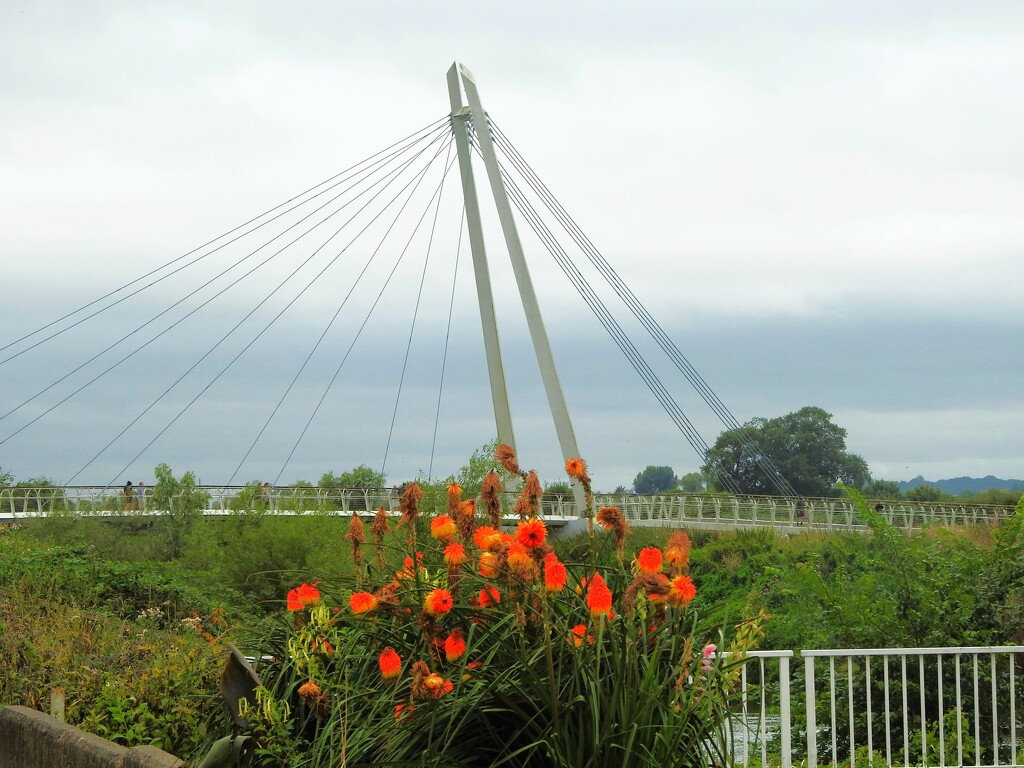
column 132, row 618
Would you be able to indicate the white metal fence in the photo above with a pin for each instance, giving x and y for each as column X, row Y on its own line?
column 680, row 509
column 882, row 707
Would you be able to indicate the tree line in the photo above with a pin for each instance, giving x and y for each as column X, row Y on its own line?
column 808, row 449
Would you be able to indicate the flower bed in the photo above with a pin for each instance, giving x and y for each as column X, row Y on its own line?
column 484, row 648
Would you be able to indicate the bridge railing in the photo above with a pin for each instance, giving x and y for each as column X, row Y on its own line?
column 881, row 707
column 739, row 511
column 670, row 509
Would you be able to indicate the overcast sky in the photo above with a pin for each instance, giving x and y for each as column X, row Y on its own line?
column 821, row 204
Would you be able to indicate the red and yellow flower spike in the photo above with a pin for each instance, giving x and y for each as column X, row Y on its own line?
column 442, row 527
column 454, row 646
column 649, row 560
column 599, row 597
column 302, row 596
column 681, row 590
column 362, row 602
column 390, row 664
column 438, row 602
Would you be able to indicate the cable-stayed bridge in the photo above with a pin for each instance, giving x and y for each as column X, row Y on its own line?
column 682, row 510
column 366, row 248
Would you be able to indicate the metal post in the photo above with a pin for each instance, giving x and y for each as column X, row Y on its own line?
column 541, row 345
column 492, row 347
column 785, row 721
column 812, row 725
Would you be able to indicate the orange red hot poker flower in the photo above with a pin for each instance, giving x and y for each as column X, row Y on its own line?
column 301, row 596
column 454, row 554
column 362, row 602
column 681, row 590
column 489, row 596
column 599, row 597
column 390, row 664
column 677, row 550
column 576, row 468
column 649, row 560
column 442, row 527
column 454, row 646
column 555, row 575
column 531, row 533
column 438, row 602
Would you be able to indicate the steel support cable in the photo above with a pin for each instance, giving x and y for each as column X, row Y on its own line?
column 625, row 346
column 326, row 329
column 394, row 175
column 416, row 309
column 447, row 337
column 600, row 310
column 667, row 345
column 359, row 332
column 604, row 316
column 258, row 335
column 207, row 284
column 251, row 342
column 629, row 298
column 247, row 346
column 439, row 125
column 612, row 277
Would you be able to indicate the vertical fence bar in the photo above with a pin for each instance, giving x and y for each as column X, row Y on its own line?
column 746, row 724
column 867, row 690
column 809, row 702
column 906, row 719
column 942, row 717
column 785, row 734
column 959, row 717
column 924, row 714
column 995, row 712
column 849, row 699
column 832, row 696
column 977, row 714
column 761, row 729
column 888, row 730
column 1013, row 711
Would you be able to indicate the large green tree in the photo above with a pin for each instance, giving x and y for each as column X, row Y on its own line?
column 655, row 479
column 359, row 477
column 807, row 448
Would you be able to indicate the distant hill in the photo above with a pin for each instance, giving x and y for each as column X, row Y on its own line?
column 961, row 485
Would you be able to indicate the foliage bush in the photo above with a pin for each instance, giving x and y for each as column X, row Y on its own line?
column 123, row 680
column 77, row 574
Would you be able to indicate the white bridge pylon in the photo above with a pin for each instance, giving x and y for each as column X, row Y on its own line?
column 465, row 119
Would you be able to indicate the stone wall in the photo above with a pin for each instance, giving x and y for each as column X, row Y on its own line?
column 31, row 739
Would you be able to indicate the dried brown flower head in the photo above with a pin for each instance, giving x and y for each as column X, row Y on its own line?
column 491, row 492
column 611, row 519
column 505, row 455
column 411, row 503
